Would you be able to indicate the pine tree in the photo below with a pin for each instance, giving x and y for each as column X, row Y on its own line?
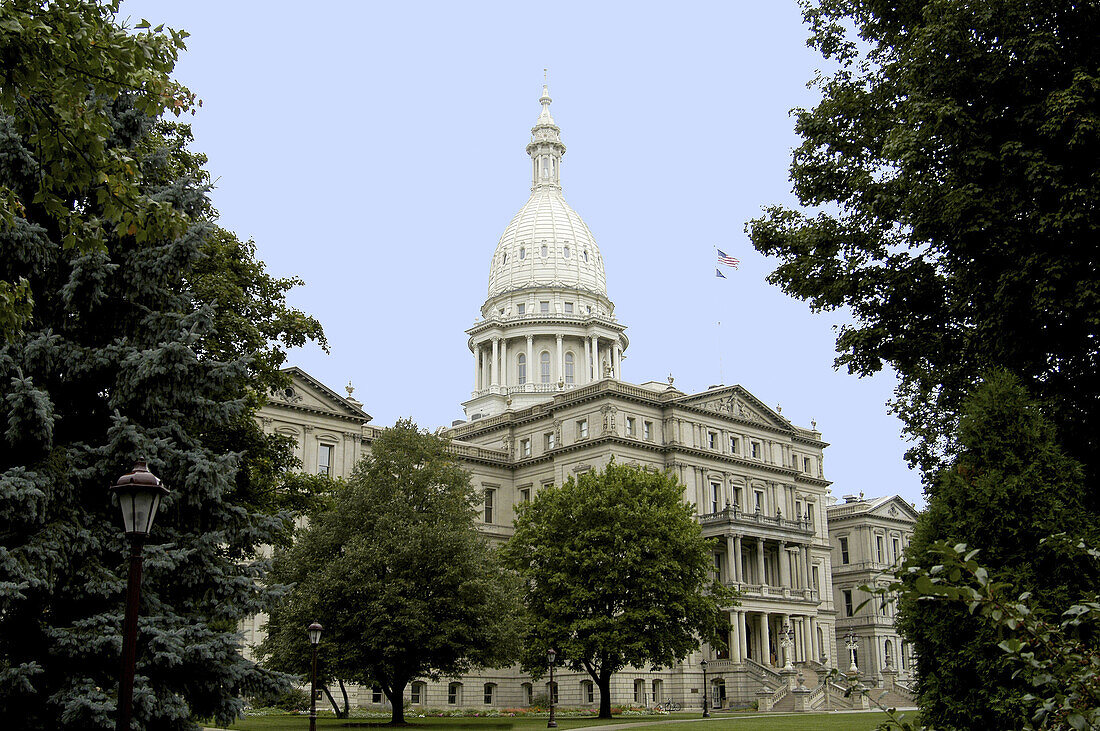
column 127, row 351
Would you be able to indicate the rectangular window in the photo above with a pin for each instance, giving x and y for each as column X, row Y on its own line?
column 582, row 429
column 489, row 496
column 798, row 510
column 806, row 465
column 324, row 459
column 569, row 308
column 647, row 430
column 549, row 440
column 715, row 497
column 734, row 445
column 414, row 697
column 521, row 309
column 754, row 450
column 712, row 440
column 879, row 551
column 843, row 549
column 489, row 687
column 525, row 495
column 589, row 692
column 630, row 426
column 454, row 694
column 897, row 554
column 847, row 602
column 737, row 497
column 544, row 306
column 376, row 694
column 525, row 447
column 816, row 580
column 758, row 500
column 717, row 567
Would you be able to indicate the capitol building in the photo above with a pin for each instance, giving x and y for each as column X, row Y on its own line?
column 549, row 401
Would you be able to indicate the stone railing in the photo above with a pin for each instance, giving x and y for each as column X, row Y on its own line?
column 733, row 515
column 774, row 592
column 763, row 671
column 474, row 452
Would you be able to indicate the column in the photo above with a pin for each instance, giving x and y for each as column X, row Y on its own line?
column 807, row 566
column 784, row 565
column 815, row 651
column 735, row 637
column 561, row 361
column 760, row 577
column 494, row 371
column 617, row 360
column 765, row 641
column 742, row 638
column 503, row 361
column 597, row 372
column 737, row 558
column 531, row 369
column 587, row 362
column 477, row 367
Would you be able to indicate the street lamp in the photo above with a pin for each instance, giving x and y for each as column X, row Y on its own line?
column 314, row 638
column 788, row 645
column 852, row 644
column 706, row 688
column 550, row 657
column 139, row 494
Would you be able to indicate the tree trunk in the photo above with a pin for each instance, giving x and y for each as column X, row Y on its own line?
column 331, row 700
column 603, row 681
column 397, row 702
column 344, row 692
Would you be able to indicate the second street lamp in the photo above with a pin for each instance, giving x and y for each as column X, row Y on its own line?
column 139, row 494
column 550, row 657
column 314, row 638
column 706, row 688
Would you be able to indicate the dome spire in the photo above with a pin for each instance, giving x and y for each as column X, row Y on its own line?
column 545, row 148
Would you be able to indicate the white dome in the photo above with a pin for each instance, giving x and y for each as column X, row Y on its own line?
column 547, row 245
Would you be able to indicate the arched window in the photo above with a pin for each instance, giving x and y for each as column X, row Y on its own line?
column 544, row 251
column 569, row 368
column 565, row 252
column 904, row 655
column 522, row 253
column 588, row 694
column 639, row 692
column 490, row 693
column 528, row 694
column 889, row 652
column 521, row 369
column 418, row 694
column 552, row 692
column 454, row 694
column 544, row 367
column 658, row 691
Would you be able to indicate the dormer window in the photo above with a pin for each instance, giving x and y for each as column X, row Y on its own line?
column 565, row 252
column 544, row 306
column 505, row 259
column 522, row 253
column 521, row 309
column 544, row 251
column 569, row 308
column 586, row 254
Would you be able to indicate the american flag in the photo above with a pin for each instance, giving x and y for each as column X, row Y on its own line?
column 729, row 261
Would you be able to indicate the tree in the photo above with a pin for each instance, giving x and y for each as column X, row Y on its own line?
column 617, row 573
column 950, row 170
column 396, row 571
column 1008, row 488
column 123, row 353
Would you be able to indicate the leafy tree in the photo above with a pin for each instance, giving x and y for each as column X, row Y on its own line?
column 396, row 571
column 63, row 66
column 1009, row 487
column 617, row 574
column 952, row 202
column 123, row 353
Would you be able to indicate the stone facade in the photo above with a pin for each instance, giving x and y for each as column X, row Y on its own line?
column 868, row 537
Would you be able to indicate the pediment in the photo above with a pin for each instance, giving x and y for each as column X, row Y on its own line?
column 736, row 402
column 306, row 392
column 894, row 507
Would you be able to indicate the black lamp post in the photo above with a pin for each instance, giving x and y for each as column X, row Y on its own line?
column 550, row 657
column 139, row 494
column 706, row 688
column 314, row 638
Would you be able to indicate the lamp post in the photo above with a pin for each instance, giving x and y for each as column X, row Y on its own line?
column 706, row 688
column 852, row 644
column 139, row 494
column 788, row 645
column 550, row 657
column 314, row 638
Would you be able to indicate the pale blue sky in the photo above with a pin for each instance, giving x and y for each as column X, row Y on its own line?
column 377, row 151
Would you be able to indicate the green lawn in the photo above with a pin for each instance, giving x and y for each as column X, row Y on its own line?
column 806, row 722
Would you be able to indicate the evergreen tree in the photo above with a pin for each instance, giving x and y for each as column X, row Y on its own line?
column 617, row 573
column 126, row 350
column 1008, row 488
column 396, row 571
column 952, row 195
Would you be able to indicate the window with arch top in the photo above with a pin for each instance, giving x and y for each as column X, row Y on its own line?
column 544, row 367
column 521, row 369
column 522, row 253
column 544, row 251
column 569, row 368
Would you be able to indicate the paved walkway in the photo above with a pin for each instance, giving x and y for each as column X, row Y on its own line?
column 721, row 717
